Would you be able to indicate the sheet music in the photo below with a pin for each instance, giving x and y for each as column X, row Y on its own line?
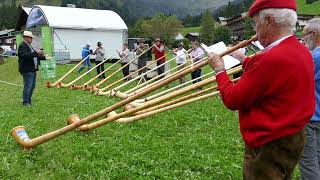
column 258, row 45
column 220, row 47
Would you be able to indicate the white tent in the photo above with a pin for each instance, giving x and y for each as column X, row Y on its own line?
column 72, row 28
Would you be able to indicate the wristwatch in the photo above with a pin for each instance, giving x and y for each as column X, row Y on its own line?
column 218, row 70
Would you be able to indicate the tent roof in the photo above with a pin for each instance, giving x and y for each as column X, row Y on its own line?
column 26, row 9
column 76, row 18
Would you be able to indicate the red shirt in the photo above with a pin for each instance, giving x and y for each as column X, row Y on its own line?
column 160, row 56
column 275, row 95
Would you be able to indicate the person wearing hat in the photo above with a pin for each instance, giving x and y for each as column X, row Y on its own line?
column 143, row 57
column 181, row 59
column 85, row 53
column 310, row 162
column 159, row 54
column 29, row 61
column 275, row 96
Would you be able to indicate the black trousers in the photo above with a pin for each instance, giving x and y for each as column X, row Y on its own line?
column 125, row 70
column 195, row 74
column 160, row 69
column 100, row 69
column 142, row 63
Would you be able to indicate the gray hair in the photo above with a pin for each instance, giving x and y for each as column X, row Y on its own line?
column 286, row 18
column 314, row 25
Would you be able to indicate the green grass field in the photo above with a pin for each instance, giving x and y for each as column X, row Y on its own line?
column 312, row 9
column 198, row 141
column 185, row 31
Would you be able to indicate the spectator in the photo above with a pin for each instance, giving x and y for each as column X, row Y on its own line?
column 29, row 61
column 86, row 55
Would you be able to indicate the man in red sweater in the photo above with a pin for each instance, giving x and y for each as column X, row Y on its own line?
column 159, row 54
column 275, row 96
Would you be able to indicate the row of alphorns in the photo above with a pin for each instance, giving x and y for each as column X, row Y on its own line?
column 139, row 109
column 97, row 88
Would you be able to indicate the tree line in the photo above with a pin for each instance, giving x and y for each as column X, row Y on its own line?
column 9, row 12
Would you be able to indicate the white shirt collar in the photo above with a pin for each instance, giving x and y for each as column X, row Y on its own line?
column 277, row 42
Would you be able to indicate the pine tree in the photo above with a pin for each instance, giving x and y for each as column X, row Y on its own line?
column 222, row 34
column 207, row 28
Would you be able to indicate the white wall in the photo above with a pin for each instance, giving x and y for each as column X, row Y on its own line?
column 74, row 40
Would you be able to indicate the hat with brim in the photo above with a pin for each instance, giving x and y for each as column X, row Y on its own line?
column 28, row 34
column 259, row 5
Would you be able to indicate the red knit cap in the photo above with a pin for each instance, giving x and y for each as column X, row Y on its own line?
column 259, row 5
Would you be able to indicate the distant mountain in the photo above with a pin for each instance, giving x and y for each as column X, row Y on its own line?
column 138, row 8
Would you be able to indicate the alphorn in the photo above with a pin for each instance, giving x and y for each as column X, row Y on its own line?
column 167, row 108
column 117, row 93
column 144, row 85
column 84, row 74
column 179, row 99
column 131, row 74
column 132, row 108
column 96, row 87
column 48, row 84
column 86, row 85
column 155, row 80
column 143, row 74
column 172, row 89
column 133, row 90
column 20, row 135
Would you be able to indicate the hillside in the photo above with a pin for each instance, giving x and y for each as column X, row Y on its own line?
column 312, row 9
column 138, row 7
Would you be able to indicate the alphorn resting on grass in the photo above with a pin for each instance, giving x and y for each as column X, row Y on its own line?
column 81, row 76
column 106, row 93
column 131, row 108
column 172, row 89
column 131, row 74
column 183, row 98
column 85, row 85
column 142, row 87
column 20, row 135
column 96, row 86
column 133, row 90
column 48, row 84
column 112, row 92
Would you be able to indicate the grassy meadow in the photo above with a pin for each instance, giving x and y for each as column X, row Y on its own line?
column 198, row 141
column 312, row 9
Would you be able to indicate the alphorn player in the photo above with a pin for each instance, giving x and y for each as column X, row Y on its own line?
column 275, row 96
column 142, row 60
column 159, row 54
column 124, row 55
